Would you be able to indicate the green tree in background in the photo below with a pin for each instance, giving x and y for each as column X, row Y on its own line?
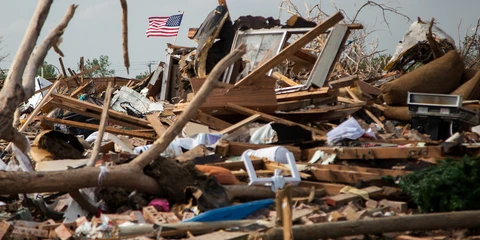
column 104, row 69
column 143, row 75
column 49, row 71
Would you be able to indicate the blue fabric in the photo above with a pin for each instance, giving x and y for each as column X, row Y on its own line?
column 236, row 212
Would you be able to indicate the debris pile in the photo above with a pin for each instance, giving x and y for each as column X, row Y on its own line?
column 252, row 135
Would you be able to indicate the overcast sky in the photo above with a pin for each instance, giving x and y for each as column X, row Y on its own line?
column 96, row 27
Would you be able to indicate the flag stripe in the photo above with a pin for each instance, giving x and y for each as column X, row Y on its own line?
column 164, row 26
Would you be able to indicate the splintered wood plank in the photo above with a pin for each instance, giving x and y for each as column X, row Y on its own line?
column 343, row 82
column 284, row 78
column 156, row 124
column 260, row 95
column 330, row 188
column 318, row 93
column 377, row 171
column 374, row 118
column 291, row 49
column 211, row 121
column 352, row 153
column 97, row 109
column 267, row 117
column 344, row 198
column 240, row 124
column 49, row 121
column 367, row 88
column 80, row 89
column 342, row 176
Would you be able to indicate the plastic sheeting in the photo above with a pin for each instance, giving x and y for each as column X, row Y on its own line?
column 263, row 135
column 349, row 129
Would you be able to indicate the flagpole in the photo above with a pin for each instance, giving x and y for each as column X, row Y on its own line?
column 175, row 40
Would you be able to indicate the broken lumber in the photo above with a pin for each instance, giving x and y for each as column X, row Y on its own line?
column 317, row 93
column 92, row 110
column 262, row 92
column 156, row 124
column 132, row 133
column 211, row 121
column 267, row 117
column 284, row 78
column 351, row 153
column 128, row 176
column 291, row 49
column 419, row 222
column 240, row 124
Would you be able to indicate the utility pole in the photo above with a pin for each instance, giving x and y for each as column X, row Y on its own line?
column 149, row 65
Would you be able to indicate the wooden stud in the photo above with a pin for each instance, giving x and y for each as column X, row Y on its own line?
column 156, row 124
column 240, row 124
column 267, row 117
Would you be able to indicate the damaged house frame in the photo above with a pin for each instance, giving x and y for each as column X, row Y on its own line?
column 263, row 44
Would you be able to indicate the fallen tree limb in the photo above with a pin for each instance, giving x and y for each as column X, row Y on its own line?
column 126, row 60
column 128, row 176
column 466, row 219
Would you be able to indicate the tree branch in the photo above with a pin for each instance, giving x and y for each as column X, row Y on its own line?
column 38, row 56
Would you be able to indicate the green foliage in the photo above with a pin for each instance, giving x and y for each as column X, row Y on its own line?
column 450, row 186
column 3, row 75
column 49, row 71
column 104, row 69
column 143, row 75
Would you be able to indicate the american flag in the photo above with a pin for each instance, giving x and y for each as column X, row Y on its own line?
column 164, row 26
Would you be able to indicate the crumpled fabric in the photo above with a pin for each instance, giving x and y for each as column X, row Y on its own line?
column 263, row 135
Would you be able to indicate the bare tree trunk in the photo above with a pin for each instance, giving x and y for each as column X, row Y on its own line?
column 25, row 64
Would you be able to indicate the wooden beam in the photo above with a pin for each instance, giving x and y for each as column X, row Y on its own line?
column 318, row 93
column 367, row 88
column 62, row 66
column 377, row 171
column 267, row 117
column 374, row 118
column 240, row 124
column 353, row 153
column 330, row 188
column 343, row 82
column 80, row 89
column 284, row 78
column 262, row 95
column 156, row 124
column 211, row 121
column 291, row 49
column 121, row 117
column 49, row 121
column 344, row 198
